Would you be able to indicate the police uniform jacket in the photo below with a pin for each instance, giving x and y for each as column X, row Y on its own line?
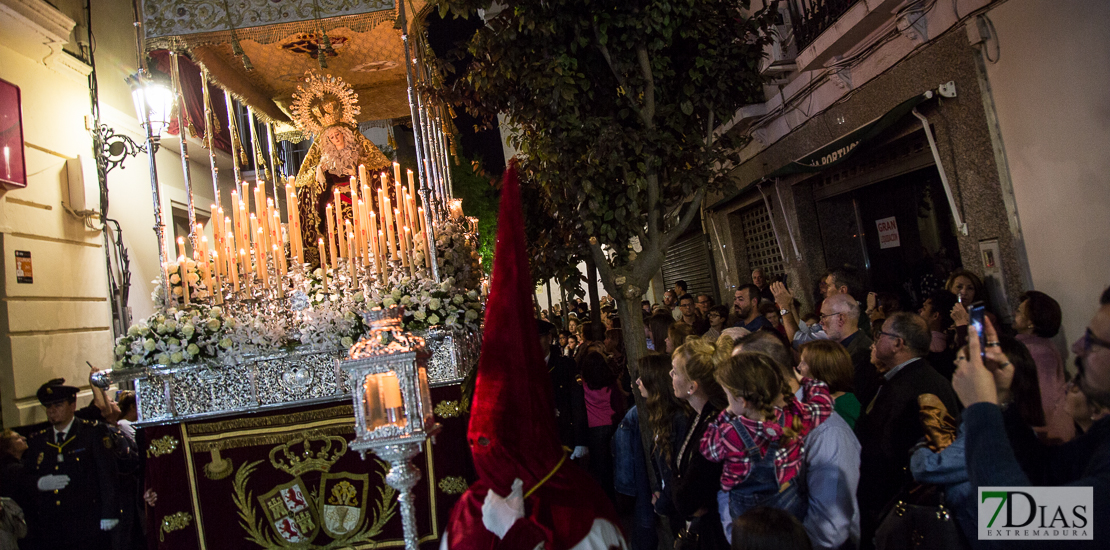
column 87, row 457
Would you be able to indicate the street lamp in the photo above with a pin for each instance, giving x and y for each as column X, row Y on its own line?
column 393, row 405
column 153, row 103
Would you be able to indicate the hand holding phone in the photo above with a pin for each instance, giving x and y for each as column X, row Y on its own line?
column 975, row 321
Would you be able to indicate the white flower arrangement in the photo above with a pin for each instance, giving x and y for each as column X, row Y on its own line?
column 176, row 271
column 174, row 336
column 429, row 304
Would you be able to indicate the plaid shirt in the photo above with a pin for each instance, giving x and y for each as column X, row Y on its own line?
column 721, row 443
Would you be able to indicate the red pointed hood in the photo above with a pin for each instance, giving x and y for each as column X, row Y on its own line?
column 512, row 426
column 512, row 432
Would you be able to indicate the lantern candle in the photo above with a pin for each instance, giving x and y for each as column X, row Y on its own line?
column 397, row 172
column 323, row 263
column 390, row 389
column 181, row 249
column 389, row 229
column 218, row 290
column 204, row 262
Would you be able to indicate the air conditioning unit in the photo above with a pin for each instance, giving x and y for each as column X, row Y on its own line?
column 779, row 55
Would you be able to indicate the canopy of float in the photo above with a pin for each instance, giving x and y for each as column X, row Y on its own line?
column 280, row 42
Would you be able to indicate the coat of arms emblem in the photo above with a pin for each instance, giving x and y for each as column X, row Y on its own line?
column 298, row 510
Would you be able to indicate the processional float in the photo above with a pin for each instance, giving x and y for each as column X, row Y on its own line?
column 355, row 279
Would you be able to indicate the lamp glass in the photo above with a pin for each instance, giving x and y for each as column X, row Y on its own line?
column 152, row 99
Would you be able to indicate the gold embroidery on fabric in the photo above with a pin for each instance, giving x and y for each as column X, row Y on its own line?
column 266, row 437
column 448, row 409
column 453, row 485
column 174, row 522
column 162, row 446
column 268, row 421
column 219, row 468
column 313, row 452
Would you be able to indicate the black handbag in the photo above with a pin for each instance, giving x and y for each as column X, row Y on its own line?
column 917, row 518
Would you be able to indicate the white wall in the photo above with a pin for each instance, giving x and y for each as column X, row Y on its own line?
column 1050, row 93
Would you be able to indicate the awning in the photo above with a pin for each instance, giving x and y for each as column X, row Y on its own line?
column 835, row 151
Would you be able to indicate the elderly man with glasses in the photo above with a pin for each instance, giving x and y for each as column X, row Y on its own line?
column 1082, row 462
column 840, row 319
column 890, row 426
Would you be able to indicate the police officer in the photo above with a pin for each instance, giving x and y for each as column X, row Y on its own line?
column 76, row 474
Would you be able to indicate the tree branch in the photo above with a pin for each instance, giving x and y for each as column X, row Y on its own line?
column 653, row 206
column 616, row 74
column 648, row 113
column 684, row 222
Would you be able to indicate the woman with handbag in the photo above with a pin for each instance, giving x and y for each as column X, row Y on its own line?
column 696, row 479
column 1018, row 391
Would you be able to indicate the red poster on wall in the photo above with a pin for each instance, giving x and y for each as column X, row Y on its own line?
column 13, row 172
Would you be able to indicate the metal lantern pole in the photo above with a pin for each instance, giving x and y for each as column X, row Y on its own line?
column 140, row 82
column 181, row 131
column 233, row 132
column 414, row 111
column 209, row 136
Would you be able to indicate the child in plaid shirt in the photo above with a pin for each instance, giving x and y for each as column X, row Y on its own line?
column 760, row 443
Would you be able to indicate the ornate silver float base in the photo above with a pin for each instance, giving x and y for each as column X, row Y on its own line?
column 169, row 394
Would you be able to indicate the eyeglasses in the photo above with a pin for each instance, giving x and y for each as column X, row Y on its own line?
column 890, row 334
column 827, row 315
column 1089, row 340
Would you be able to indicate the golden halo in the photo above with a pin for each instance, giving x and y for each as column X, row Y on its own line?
column 322, row 102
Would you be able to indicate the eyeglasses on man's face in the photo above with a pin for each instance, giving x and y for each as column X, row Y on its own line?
column 882, row 333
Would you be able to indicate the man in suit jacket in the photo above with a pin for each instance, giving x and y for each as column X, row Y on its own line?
column 889, row 425
column 840, row 319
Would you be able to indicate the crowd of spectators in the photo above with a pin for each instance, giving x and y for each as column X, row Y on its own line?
column 771, row 428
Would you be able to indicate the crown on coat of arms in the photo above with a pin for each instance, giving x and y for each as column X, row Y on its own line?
column 308, row 453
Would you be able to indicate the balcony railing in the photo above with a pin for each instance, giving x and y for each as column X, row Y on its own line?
column 811, row 17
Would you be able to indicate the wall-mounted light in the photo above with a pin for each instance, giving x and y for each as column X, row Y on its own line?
column 153, row 103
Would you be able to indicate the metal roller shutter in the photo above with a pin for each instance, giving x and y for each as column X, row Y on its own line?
column 688, row 259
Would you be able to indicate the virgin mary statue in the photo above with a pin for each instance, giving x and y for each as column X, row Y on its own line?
column 325, row 109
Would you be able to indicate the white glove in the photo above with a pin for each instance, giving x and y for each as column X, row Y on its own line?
column 499, row 514
column 53, row 482
column 580, row 452
column 108, row 524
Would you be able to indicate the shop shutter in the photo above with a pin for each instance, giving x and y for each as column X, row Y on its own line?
column 688, row 259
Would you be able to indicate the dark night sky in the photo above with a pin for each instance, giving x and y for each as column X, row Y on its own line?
column 443, row 36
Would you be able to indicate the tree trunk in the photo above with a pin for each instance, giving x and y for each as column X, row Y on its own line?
column 595, row 299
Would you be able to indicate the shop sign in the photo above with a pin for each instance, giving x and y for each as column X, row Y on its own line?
column 888, row 233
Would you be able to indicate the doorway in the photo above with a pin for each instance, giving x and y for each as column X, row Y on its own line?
column 898, row 231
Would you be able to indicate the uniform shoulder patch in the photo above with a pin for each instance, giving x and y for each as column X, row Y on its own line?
column 107, row 442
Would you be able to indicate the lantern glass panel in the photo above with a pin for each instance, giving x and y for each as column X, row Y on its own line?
column 382, row 401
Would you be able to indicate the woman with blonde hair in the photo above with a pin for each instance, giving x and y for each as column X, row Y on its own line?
column 696, row 480
column 830, row 363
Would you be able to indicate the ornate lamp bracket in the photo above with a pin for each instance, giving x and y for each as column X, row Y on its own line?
column 112, row 148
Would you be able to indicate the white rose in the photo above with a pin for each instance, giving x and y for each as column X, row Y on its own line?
column 471, row 315
column 162, row 359
column 396, row 294
column 213, row 325
column 120, row 350
column 148, row 344
column 435, row 303
column 215, row 312
column 346, row 341
column 473, row 294
column 458, row 299
column 174, row 279
column 193, row 278
column 419, row 315
column 193, row 349
column 133, row 330
column 433, row 319
column 388, row 303
column 176, row 357
column 358, row 297
column 225, row 343
column 406, row 300
column 190, row 265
